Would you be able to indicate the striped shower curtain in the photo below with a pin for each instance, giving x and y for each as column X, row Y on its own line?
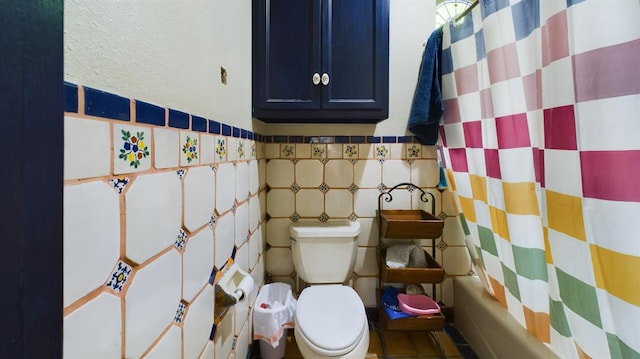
column 541, row 143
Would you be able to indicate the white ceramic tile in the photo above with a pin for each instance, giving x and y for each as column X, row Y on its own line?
column 169, row 346
column 197, row 263
column 448, row 203
column 429, row 152
column 272, row 150
column 334, row 150
column 365, row 202
column 368, row 174
column 189, row 148
column 254, row 213
column 221, row 149
column 401, row 200
column 309, row 202
column 278, row 232
column 199, row 197
column 153, row 214
column 452, row 232
column 338, row 203
column 263, row 204
column 131, row 149
column 262, row 173
column 232, row 149
column 425, row 173
column 255, row 248
column 280, row 202
column 224, row 239
column 309, row 173
column 395, row 172
column 166, row 145
column 365, row 151
column 242, row 224
column 303, row 150
column 456, row 261
column 223, row 338
column 257, row 273
column 338, row 173
column 94, row 330
column 91, row 211
column 241, row 316
column 242, row 257
column 207, row 149
column 366, row 262
column 87, row 148
column 225, row 187
column 207, row 353
column 366, row 288
column 396, row 151
column 280, row 173
column 278, row 261
column 417, row 202
column 242, row 343
column 254, row 177
column 197, row 323
column 151, row 302
column 368, row 232
column 242, row 181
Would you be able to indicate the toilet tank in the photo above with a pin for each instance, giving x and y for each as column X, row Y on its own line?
column 324, row 252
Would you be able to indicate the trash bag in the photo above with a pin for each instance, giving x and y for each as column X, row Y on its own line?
column 274, row 311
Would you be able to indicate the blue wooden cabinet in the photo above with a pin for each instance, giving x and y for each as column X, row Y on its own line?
column 321, row 61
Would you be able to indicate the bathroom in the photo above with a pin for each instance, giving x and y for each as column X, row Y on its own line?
column 178, row 75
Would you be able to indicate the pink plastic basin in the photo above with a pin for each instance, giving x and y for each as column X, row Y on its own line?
column 417, row 304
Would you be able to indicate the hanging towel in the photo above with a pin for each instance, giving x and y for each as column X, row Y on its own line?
column 427, row 107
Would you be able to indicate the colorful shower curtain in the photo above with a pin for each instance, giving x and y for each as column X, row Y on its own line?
column 541, row 142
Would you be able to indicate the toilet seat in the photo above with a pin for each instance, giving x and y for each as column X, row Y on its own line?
column 330, row 319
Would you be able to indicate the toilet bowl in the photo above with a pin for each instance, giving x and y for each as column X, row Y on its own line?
column 330, row 318
column 331, row 323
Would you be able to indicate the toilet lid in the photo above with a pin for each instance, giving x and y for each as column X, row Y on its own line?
column 331, row 318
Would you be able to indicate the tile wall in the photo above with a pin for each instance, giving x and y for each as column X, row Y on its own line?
column 157, row 201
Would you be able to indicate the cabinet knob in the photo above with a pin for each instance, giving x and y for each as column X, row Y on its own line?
column 316, row 78
column 325, row 79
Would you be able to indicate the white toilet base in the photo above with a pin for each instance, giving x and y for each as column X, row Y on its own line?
column 359, row 352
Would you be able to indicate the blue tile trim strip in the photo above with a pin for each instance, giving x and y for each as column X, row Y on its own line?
column 104, row 104
column 214, row 127
column 226, row 130
column 70, row 97
column 178, row 119
column 150, row 114
column 198, row 124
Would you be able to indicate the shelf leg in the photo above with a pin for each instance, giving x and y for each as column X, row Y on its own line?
column 436, row 338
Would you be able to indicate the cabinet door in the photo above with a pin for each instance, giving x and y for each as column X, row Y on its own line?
column 355, row 54
column 287, row 42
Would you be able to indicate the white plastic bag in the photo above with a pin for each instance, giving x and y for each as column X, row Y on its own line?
column 274, row 311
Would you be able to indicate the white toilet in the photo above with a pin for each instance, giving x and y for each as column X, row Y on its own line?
column 330, row 321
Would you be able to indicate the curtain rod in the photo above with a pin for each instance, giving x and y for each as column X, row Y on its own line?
column 468, row 10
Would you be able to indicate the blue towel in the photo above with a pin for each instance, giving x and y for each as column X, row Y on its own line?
column 390, row 302
column 427, row 107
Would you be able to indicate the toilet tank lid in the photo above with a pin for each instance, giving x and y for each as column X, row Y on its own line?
column 324, row 229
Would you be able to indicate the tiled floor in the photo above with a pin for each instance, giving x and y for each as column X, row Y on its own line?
column 402, row 345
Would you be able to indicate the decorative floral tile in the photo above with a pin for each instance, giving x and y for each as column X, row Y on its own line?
column 382, row 151
column 119, row 277
column 180, row 313
column 181, row 240
column 324, row 188
column 190, row 148
column 442, row 245
column 323, row 217
column 294, row 217
column 351, row 151
column 221, row 149
column 213, row 220
column 181, row 172
column 382, row 187
column 353, row 188
column 324, row 161
column 130, row 147
column 241, row 147
column 288, row 151
column 253, row 150
column 318, row 151
column 413, row 151
column 118, row 184
column 295, row 188
column 353, row 217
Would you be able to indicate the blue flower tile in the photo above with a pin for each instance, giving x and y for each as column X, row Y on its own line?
column 119, row 277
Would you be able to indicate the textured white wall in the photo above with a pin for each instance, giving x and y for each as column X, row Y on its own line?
column 170, row 52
